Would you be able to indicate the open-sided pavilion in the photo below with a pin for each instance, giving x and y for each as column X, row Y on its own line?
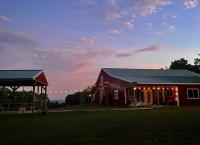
column 14, row 79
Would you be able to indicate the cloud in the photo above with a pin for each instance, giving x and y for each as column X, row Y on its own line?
column 16, row 51
column 113, row 2
column 135, row 8
column 129, row 24
column 4, row 18
column 147, row 7
column 12, row 39
column 73, row 59
column 111, row 16
column 128, row 54
column 191, row 4
column 114, row 31
column 90, row 2
column 168, row 27
column 149, row 49
column 171, row 28
column 153, row 48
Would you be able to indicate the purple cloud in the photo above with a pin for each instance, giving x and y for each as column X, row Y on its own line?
column 4, row 18
column 149, row 49
column 153, row 48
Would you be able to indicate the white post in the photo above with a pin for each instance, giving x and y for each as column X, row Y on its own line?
column 125, row 97
column 33, row 105
column 158, row 95
column 177, row 95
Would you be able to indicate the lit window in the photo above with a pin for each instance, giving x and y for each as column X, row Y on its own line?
column 193, row 93
column 116, row 94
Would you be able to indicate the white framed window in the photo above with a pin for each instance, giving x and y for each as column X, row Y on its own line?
column 116, row 94
column 169, row 93
column 193, row 93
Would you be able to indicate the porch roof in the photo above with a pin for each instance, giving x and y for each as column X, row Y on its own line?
column 22, row 77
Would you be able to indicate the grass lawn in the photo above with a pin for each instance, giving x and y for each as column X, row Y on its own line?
column 161, row 126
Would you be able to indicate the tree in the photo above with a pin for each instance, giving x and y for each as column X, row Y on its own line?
column 77, row 98
column 197, row 61
column 179, row 64
column 5, row 94
column 183, row 64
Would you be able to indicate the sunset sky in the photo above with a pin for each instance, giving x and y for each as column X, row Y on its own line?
column 71, row 40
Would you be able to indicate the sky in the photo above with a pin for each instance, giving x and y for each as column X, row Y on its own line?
column 71, row 40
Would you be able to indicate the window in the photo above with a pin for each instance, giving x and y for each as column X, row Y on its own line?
column 141, row 96
column 169, row 93
column 193, row 93
column 116, row 94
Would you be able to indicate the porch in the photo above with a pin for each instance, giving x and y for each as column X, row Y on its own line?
column 145, row 95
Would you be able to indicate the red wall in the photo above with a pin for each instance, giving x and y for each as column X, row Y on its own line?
column 183, row 96
column 41, row 78
column 110, row 84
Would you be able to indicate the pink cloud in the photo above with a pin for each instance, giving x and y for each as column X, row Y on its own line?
column 114, row 31
column 147, row 7
column 191, row 4
column 129, row 24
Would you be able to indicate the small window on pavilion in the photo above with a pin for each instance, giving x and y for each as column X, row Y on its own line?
column 193, row 93
column 116, row 94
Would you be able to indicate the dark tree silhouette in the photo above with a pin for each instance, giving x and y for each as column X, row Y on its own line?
column 180, row 64
column 183, row 64
column 197, row 61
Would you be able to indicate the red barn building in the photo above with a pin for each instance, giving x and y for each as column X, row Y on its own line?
column 146, row 87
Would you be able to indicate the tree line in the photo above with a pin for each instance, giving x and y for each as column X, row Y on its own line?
column 182, row 63
column 6, row 95
column 81, row 97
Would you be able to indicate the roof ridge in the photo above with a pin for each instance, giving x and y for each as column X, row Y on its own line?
column 21, row 70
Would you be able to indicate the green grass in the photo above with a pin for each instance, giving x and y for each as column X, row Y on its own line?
column 161, row 126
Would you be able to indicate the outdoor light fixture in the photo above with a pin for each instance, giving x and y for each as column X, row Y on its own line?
column 134, row 88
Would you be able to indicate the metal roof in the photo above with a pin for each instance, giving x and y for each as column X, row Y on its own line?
column 19, row 74
column 22, row 78
column 151, row 76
